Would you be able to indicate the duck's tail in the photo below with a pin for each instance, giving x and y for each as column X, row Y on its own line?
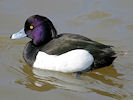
column 120, row 53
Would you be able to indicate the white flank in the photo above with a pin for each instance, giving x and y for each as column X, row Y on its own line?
column 72, row 61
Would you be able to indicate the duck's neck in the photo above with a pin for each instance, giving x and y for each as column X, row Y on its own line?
column 30, row 52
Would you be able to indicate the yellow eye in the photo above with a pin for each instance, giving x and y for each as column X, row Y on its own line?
column 31, row 27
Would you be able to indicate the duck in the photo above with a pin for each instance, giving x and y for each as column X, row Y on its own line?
column 65, row 52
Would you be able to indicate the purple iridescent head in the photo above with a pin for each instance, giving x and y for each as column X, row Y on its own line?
column 39, row 28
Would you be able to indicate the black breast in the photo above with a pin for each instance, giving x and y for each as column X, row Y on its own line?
column 30, row 52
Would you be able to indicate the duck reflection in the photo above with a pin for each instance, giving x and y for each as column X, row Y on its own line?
column 31, row 82
column 104, row 81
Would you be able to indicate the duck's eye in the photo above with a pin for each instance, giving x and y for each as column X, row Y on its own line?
column 31, row 27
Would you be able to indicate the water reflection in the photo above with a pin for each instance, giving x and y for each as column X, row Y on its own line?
column 31, row 82
column 103, row 81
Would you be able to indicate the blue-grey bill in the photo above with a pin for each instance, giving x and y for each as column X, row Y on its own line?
column 18, row 35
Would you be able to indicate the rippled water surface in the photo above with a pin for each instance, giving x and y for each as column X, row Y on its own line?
column 106, row 21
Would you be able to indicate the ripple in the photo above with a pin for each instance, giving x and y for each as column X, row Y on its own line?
column 130, row 27
column 95, row 15
column 111, row 22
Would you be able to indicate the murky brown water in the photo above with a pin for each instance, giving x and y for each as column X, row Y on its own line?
column 107, row 21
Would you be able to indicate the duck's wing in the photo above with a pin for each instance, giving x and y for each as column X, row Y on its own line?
column 66, row 42
column 103, row 54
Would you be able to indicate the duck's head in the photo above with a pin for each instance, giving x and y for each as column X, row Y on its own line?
column 39, row 28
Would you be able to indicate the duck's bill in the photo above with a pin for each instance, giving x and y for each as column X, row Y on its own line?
column 18, row 35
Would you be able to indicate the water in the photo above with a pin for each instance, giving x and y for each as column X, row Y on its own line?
column 106, row 21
